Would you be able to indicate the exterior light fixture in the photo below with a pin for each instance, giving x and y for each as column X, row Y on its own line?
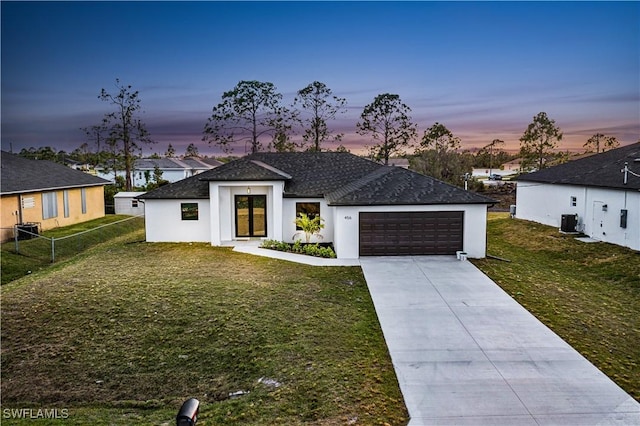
column 248, row 190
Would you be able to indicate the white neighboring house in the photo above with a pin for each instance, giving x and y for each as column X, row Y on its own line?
column 173, row 169
column 369, row 209
column 127, row 203
column 605, row 199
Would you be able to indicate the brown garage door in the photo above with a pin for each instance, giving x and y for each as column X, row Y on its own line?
column 410, row 233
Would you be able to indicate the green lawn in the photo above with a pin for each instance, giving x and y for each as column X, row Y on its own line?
column 588, row 293
column 127, row 332
column 35, row 254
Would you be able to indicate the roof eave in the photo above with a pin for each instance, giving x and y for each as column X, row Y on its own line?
column 54, row 188
column 435, row 203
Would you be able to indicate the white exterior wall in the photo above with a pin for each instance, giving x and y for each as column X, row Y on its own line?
column 168, row 175
column 163, row 222
column 222, row 195
column 347, row 224
column 546, row 203
column 289, row 215
column 124, row 204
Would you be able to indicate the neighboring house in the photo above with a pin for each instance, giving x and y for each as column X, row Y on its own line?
column 368, row 208
column 596, row 188
column 46, row 194
column 173, row 169
column 399, row 162
column 506, row 169
column 127, row 203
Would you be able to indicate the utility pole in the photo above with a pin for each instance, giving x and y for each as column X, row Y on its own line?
column 490, row 146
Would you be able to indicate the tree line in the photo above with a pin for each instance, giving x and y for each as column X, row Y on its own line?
column 252, row 113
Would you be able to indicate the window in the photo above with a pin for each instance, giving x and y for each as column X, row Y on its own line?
column 49, row 205
column 574, row 201
column 134, row 203
column 83, row 199
column 189, row 211
column 65, row 200
column 310, row 209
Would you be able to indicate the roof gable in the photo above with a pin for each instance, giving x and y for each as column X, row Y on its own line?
column 602, row 170
column 21, row 174
column 342, row 178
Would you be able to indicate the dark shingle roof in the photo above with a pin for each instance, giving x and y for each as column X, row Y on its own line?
column 343, row 178
column 399, row 186
column 600, row 170
column 21, row 175
column 189, row 188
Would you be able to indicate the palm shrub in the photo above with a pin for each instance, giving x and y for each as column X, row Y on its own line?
column 309, row 226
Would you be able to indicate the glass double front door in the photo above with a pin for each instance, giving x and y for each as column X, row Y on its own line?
column 251, row 215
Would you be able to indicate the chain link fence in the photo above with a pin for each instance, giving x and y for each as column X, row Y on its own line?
column 51, row 249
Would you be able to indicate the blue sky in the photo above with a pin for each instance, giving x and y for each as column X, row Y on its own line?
column 483, row 69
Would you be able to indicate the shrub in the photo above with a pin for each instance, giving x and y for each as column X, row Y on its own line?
column 298, row 247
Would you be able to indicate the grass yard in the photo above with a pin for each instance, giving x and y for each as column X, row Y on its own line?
column 35, row 254
column 128, row 331
column 588, row 293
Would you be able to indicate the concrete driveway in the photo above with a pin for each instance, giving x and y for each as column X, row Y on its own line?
column 466, row 353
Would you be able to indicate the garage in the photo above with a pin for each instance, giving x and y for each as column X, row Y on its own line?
column 410, row 233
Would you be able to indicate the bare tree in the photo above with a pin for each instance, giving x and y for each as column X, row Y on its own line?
column 127, row 133
column 599, row 140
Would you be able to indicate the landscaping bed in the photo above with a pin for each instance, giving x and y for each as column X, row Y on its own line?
column 311, row 249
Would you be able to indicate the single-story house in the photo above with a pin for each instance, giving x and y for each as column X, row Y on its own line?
column 598, row 195
column 368, row 208
column 127, row 203
column 173, row 169
column 40, row 194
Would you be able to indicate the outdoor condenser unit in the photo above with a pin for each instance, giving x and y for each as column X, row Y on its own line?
column 569, row 222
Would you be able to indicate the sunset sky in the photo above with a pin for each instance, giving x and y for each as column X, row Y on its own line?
column 483, row 69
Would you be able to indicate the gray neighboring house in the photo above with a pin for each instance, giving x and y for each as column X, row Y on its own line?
column 593, row 195
column 173, row 169
column 368, row 208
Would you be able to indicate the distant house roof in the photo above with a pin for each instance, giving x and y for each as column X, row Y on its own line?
column 19, row 175
column 130, row 194
column 602, row 170
column 169, row 163
column 342, row 178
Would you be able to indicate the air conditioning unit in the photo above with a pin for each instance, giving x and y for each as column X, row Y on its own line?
column 569, row 222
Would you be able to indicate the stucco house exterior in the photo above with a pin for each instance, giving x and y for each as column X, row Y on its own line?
column 368, row 208
column 46, row 194
column 173, row 169
column 594, row 195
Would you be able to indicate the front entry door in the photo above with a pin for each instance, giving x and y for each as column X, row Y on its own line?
column 251, row 215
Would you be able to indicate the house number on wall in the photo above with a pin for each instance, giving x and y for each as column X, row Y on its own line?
column 347, row 217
